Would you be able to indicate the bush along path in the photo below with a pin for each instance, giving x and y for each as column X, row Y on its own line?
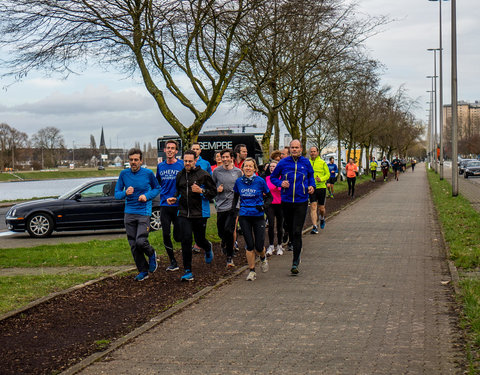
column 56, row 334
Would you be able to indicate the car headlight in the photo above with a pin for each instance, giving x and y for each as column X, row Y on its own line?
column 12, row 212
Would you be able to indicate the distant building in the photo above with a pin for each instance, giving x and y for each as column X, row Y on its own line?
column 468, row 118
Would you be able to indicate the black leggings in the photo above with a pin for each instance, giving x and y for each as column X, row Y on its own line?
column 226, row 229
column 374, row 174
column 253, row 228
column 294, row 215
column 274, row 213
column 351, row 185
column 168, row 216
column 198, row 227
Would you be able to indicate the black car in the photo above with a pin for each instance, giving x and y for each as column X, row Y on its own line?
column 472, row 169
column 89, row 206
column 462, row 163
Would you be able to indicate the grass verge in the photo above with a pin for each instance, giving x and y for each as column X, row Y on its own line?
column 460, row 223
column 17, row 291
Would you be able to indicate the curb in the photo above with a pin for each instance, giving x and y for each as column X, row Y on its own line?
column 66, row 291
column 150, row 324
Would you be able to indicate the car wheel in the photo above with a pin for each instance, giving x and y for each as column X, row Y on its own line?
column 40, row 225
column 155, row 223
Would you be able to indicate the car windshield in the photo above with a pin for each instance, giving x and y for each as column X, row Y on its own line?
column 473, row 164
column 70, row 192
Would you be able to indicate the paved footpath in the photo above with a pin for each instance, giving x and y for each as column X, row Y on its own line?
column 369, row 300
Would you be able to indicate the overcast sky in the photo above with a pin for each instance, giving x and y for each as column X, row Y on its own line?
column 81, row 105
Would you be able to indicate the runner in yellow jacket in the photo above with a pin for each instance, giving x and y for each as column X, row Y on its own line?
column 321, row 174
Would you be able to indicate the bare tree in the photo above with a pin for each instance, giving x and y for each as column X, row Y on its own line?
column 11, row 139
column 188, row 47
column 51, row 143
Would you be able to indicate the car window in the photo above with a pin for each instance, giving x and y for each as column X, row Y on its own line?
column 97, row 190
column 474, row 164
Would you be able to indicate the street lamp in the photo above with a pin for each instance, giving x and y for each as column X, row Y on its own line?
column 434, row 117
column 454, row 102
column 440, row 82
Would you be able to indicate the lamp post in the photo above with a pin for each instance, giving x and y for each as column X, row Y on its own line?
column 434, row 114
column 454, row 102
column 430, row 128
column 440, row 83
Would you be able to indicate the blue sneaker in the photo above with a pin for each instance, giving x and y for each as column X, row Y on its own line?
column 152, row 263
column 187, row 276
column 322, row 223
column 209, row 255
column 141, row 276
column 314, row 230
column 294, row 270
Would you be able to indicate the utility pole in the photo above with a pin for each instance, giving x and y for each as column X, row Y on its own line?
column 454, row 102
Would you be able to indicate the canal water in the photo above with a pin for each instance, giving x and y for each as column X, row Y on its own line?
column 38, row 189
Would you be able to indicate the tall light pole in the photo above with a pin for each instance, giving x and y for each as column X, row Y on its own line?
column 434, row 112
column 440, row 83
column 454, row 102
column 430, row 128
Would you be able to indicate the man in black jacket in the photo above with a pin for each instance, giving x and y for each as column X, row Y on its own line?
column 195, row 188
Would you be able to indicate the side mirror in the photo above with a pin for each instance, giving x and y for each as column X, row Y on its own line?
column 77, row 196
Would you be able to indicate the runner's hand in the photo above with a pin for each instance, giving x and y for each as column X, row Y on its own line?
column 171, row 200
column 129, row 190
column 311, row 190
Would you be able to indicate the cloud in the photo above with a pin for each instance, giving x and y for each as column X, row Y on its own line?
column 93, row 99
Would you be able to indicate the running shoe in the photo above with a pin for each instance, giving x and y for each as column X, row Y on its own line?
column 314, row 230
column 264, row 265
column 152, row 263
column 230, row 263
column 331, row 196
column 187, row 276
column 141, row 276
column 209, row 255
column 252, row 275
column 294, row 270
column 269, row 251
column 196, row 249
column 322, row 223
column 173, row 266
column 235, row 247
column 279, row 250
column 290, row 246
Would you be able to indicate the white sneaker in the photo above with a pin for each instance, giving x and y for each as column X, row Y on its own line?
column 269, row 251
column 279, row 250
column 252, row 275
column 264, row 265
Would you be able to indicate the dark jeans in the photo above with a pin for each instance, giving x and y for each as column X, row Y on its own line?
column 197, row 227
column 253, row 228
column 274, row 213
column 294, row 215
column 137, row 227
column 168, row 216
column 226, row 228
column 351, row 185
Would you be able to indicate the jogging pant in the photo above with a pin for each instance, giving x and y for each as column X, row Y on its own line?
column 253, row 228
column 351, row 185
column 374, row 174
column 137, row 228
column 274, row 215
column 197, row 227
column 294, row 215
column 168, row 216
column 385, row 173
column 226, row 227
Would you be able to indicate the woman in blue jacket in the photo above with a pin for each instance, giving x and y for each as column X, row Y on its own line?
column 252, row 191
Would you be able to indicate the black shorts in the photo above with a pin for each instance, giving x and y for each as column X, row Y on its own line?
column 332, row 180
column 319, row 196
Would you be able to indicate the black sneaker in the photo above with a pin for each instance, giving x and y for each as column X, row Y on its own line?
column 173, row 267
column 294, row 270
column 290, row 246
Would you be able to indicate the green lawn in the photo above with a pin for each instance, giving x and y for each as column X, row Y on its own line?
column 460, row 223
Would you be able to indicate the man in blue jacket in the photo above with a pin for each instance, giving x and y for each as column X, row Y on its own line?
column 294, row 174
column 138, row 186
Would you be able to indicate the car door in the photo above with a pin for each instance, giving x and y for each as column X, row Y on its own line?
column 90, row 207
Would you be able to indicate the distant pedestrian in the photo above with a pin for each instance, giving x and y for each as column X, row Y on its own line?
column 252, row 191
column 414, row 162
column 352, row 170
column 294, row 174
column 194, row 189
column 202, row 163
column 166, row 175
column 274, row 216
column 333, row 176
column 138, row 186
column 225, row 177
column 373, row 169
column 385, row 165
column 321, row 174
column 396, row 166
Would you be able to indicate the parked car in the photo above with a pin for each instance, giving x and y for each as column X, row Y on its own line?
column 472, row 169
column 462, row 164
column 89, row 206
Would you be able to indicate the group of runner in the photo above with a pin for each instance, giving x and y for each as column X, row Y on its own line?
column 241, row 192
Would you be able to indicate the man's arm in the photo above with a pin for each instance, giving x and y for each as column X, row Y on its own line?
column 120, row 188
